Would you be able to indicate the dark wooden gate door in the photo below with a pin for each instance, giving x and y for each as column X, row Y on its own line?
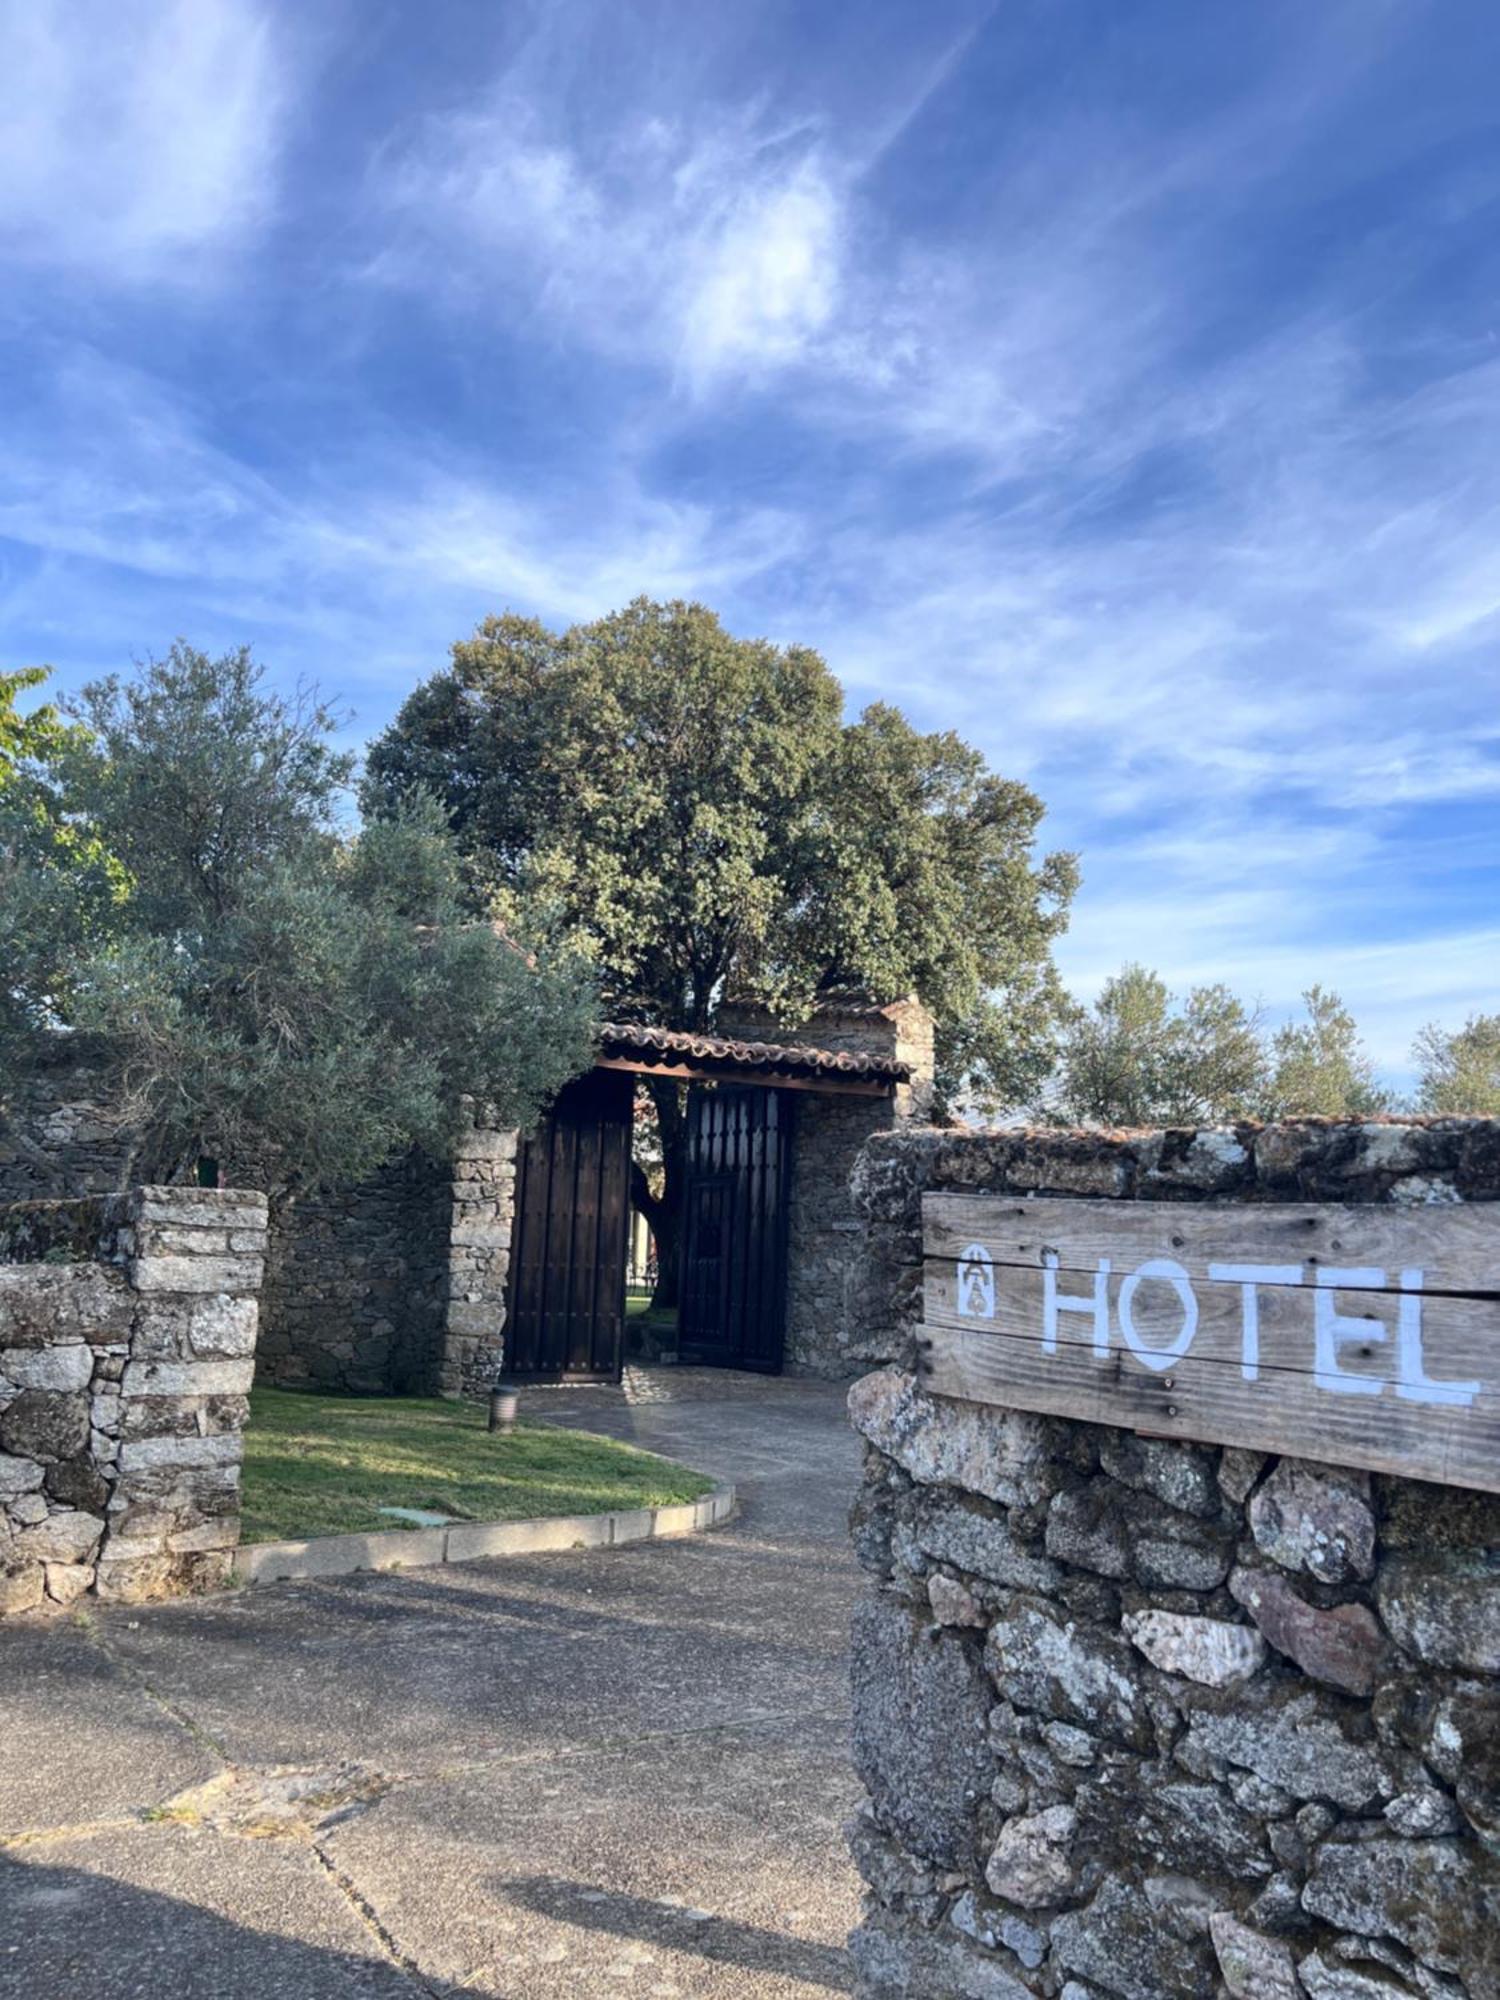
column 733, row 1312
column 565, row 1317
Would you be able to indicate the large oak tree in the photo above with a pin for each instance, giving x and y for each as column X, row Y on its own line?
column 695, row 808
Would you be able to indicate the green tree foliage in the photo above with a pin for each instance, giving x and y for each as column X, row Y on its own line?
column 1141, row 1057
column 293, row 1002
column 1459, row 1070
column 59, row 885
column 699, row 815
column 1319, row 1068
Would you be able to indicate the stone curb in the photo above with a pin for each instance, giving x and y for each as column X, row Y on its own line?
column 469, row 1541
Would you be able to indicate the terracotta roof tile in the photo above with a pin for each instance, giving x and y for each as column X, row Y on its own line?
column 634, row 1038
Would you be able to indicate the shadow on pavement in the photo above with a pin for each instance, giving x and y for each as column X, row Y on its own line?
column 720, row 1940
column 66, row 1932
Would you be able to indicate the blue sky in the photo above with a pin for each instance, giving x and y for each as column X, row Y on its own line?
column 1119, row 385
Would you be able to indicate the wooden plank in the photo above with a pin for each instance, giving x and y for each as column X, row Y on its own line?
column 1364, row 1335
column 1457, row 1245
column 830, row 1086
column 1276, row 1341
column 1454, row 1447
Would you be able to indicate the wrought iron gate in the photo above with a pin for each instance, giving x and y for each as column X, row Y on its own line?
column 733, row 1298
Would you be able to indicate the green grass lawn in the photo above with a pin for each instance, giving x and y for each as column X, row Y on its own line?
column 324, row 1465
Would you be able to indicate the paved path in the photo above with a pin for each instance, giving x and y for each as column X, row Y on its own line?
column 543, row 1779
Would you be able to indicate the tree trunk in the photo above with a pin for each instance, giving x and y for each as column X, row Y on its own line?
column 665, row 1214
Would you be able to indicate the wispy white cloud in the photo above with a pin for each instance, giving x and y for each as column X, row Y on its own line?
column 713, row 254
column 135, row 139
column 389, row 533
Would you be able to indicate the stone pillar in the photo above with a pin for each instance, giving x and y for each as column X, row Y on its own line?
column 484, row 1187
column 1141, row 1719
column 127, row 1340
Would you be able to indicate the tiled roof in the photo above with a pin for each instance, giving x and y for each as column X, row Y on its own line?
column 667, row 1045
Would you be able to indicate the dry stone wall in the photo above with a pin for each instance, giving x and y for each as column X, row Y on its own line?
column 395, row 1286
column 1146, row 1720
column 356, row 1284
column 127, row 1343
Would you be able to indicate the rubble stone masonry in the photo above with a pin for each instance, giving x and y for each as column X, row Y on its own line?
column 127, row 1344
column 1148, row 1720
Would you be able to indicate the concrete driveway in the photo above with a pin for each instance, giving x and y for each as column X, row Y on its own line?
column 556, row 1776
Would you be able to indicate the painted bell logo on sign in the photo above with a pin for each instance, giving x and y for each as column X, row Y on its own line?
column 976, row 1283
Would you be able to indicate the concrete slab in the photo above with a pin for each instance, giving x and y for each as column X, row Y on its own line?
column 412, row 1669
column 615, row 1769
column 475, row 1539
column 78, row 1740
column 706, row 1867
column 187, row 1913
column 339, row 1555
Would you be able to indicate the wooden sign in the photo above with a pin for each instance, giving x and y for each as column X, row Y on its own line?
column 1359, row 1335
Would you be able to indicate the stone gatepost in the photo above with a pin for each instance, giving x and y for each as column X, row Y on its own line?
column 472, row 1338
column 1141, row 1718
column 127, row 1341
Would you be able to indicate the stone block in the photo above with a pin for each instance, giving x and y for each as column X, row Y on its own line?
column 1117, row 1942
column 42, row 1304
column 198, row 1274
column 19, row 1475
column 1086, row 1528
column 67, row 1582
column 77, row 1482
column 222, row 1533
column 1255, row 1967
column 202, row 1208
column 179, row 1453
column 223, row 1327
column 131, row 1579
column 1047, row 1665
column 1032, row 1862
column 68, row 1536
column 46, row 1424
column 59, row 1367
column 951, row 1604
column 1004, row 1455
column 1438, row 1898
column 921, row 1709
column 187, row 1378
column 1207, row 1650
column 164, row 1240
column 1326, row 1978
column 895, row 1964
column 1192, row 1828
column 1316, row 1518
column 1180, row 1474
column 978, row 1539
column 1444, row 1609
column 1342, row 1647
column 1290, row 1737
column 21, row 1587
